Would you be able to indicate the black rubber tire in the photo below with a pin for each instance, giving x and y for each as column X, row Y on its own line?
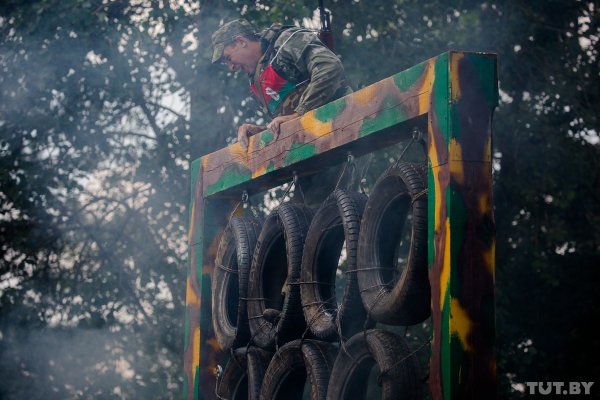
column 391, row 296
column 258, row 362
column 286, row 375
column 336, row 221
column 230, row 281
column 243, row 375
column 275, row 274
column 398, row 370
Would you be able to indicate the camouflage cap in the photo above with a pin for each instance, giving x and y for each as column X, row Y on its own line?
column 225, row 35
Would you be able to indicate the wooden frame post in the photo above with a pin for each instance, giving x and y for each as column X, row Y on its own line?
column 454, row 94
column 462, row 228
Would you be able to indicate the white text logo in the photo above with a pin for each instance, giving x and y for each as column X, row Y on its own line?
column 564, row 388
column 274, row 95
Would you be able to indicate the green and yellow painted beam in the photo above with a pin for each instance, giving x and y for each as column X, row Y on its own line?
column 455, row 94
column 461, row 226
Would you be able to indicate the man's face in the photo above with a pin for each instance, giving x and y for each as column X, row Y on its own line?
column 239, row 55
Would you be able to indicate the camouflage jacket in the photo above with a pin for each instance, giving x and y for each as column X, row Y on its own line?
column 298, row 56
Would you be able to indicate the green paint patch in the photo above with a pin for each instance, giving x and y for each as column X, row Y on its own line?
column 265, row 138
column 197, row 383
column 390, row 115
column 233, row 175
column 331, row 110
column 407, row 79
column 483, row 82
column 190, row 209
column 455, row 122
column 270, row 167
column 299, row 152
column 445, row 350
column 486, row 75
column 205, row 308
column 195, row 174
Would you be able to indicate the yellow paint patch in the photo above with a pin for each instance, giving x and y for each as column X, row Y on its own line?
column 238, row 211
column 454, row 81
column 205, row 162
column 364, row 96
column 460, row 323
column 191, row 298
column 484, row 203
column 260, row 171
column 196, row 350
column 313, row 126
column 425, row 89
column 239, row 153
column 489, row 258
column 445, row 273
column 432, row 151
column 438, row 198
column 456, row 162
column 433, row 157
column 487, row 156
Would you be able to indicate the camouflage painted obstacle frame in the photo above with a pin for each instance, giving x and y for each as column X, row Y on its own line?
column 454, row 94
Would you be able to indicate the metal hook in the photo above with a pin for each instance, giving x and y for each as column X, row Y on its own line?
column 417, row 135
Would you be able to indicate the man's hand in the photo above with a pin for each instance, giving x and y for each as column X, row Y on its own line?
column 277, row 121
column 247, row 130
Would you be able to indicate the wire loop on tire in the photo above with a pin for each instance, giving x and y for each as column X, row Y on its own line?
column 227, row 269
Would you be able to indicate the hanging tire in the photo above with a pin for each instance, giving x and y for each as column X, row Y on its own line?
column 274, row 306
column 243, row 375
column 294, row 365
column 258, row 362
column 393, row 292
column 336, row 222
column 375, row 352
column 230, row 281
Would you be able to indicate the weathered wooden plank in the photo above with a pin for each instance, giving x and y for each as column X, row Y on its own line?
column 367, row 113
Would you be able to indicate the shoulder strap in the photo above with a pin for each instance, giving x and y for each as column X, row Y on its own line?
column 270, row 36
column 285, row 42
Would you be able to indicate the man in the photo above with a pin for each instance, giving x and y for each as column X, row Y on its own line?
column 290, row 70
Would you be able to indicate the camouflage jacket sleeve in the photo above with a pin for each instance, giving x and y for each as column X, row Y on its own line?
column 311, row 58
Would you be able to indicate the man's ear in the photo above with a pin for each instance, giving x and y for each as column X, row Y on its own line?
column 241, row 40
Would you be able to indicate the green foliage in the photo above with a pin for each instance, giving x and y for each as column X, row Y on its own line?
column 103, row 105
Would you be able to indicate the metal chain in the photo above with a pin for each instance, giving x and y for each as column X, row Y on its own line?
column 293, row 183
column 364, row 173
column 349, row 162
